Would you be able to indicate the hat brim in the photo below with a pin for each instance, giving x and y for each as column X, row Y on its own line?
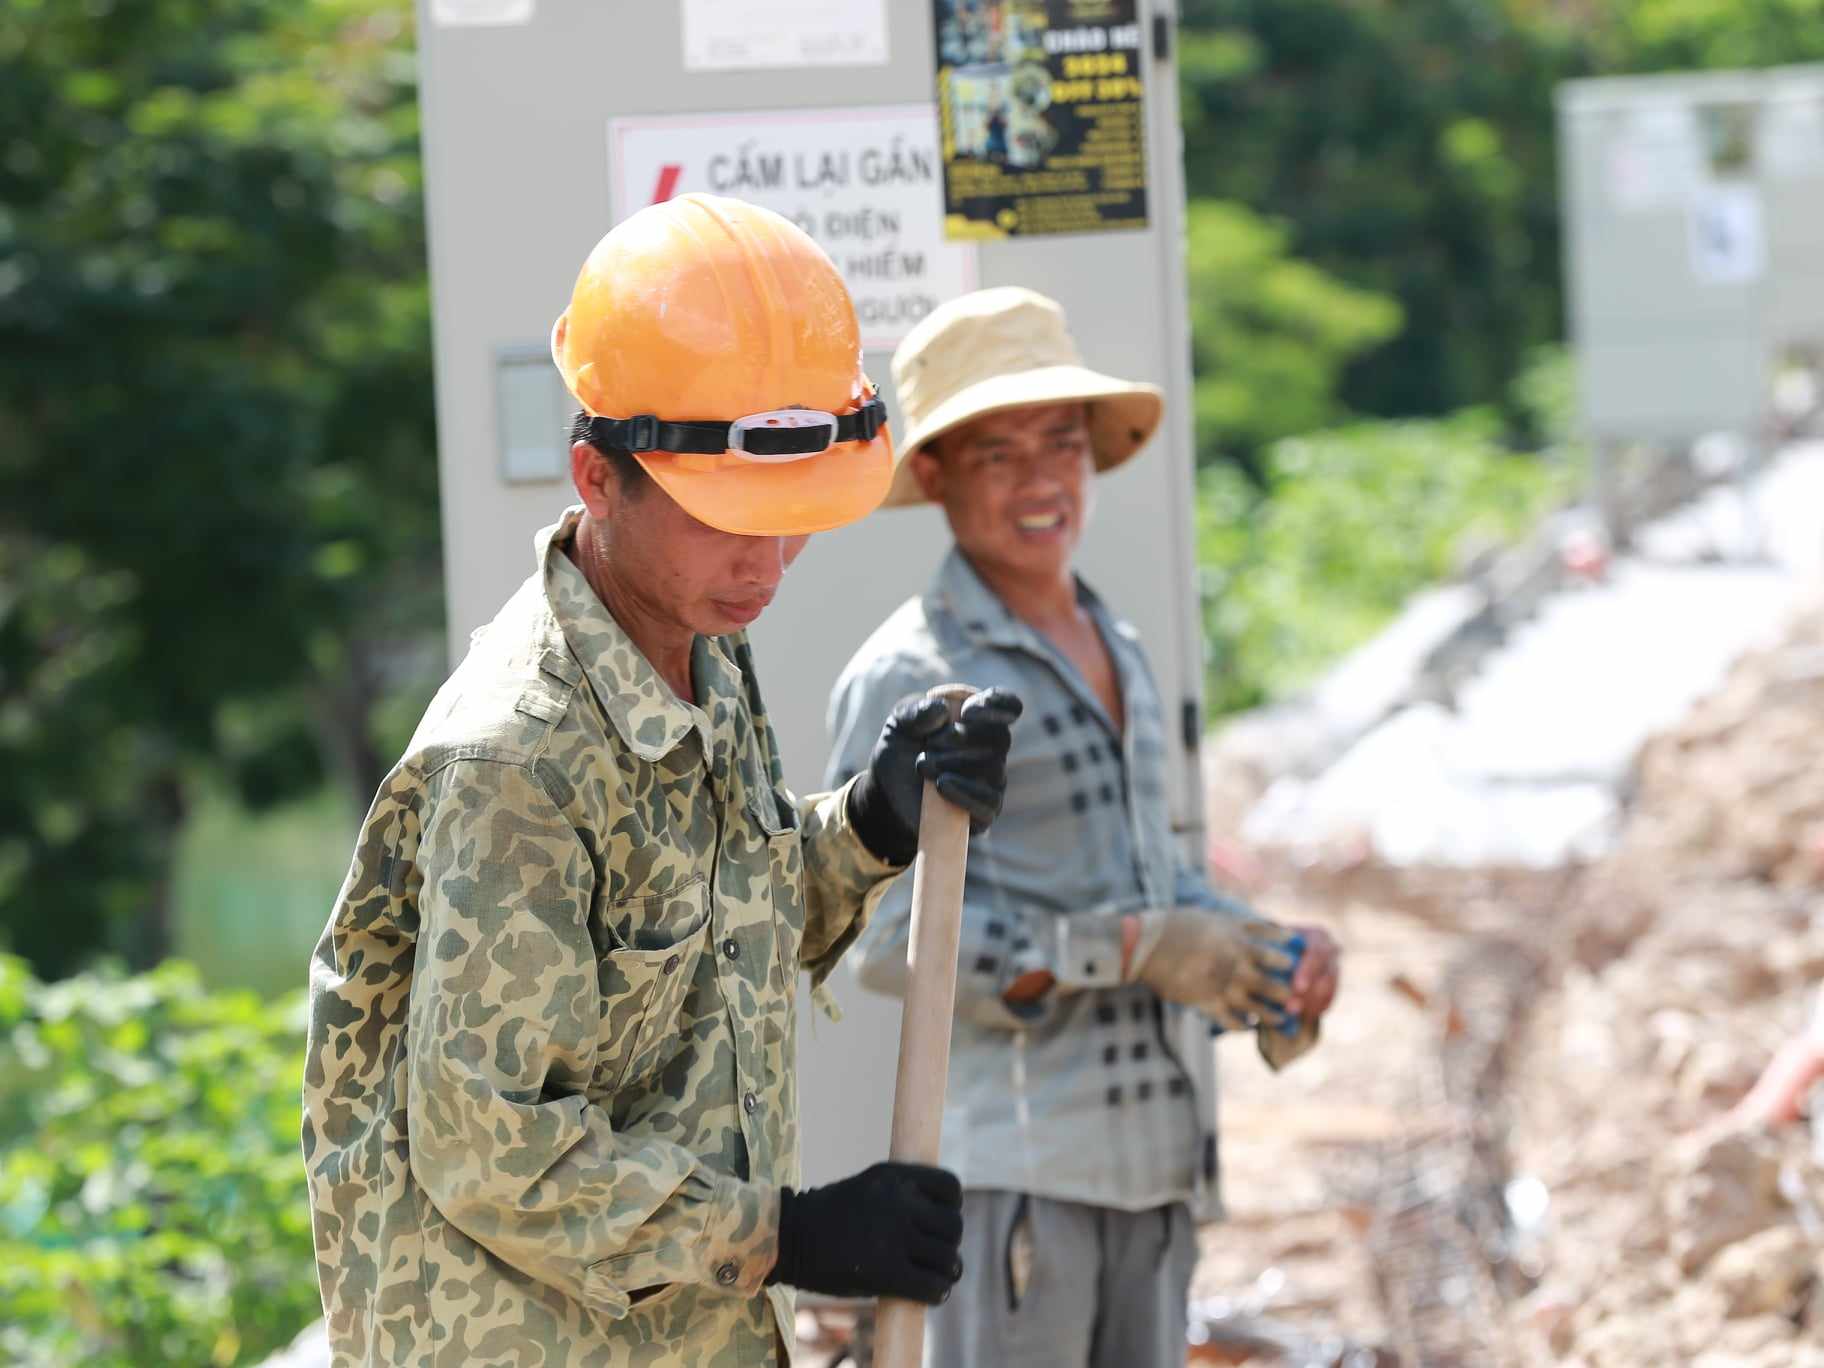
column 1123, row 415
column 777, row 499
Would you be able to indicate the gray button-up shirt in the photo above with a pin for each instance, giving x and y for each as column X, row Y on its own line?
column 1101, row 1093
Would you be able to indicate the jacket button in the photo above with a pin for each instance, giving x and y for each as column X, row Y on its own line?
column 671, row 963
column 750, row 1102
column 730, row 948
column 727, row 1274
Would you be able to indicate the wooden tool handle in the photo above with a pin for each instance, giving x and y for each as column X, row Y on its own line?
column 924, row 1024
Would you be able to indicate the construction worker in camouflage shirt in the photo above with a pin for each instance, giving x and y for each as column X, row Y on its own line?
column 550, row 1115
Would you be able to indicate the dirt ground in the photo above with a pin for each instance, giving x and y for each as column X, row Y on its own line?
column 1522, row 1140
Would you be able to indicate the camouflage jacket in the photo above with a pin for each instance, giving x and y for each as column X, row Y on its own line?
column 549, row 1094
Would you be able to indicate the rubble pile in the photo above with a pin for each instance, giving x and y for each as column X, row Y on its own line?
column 1651, row 1218
column 1680, row 1230
column 1737, row 791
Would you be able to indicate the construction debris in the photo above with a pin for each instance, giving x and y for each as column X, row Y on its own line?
column 1520, row 1142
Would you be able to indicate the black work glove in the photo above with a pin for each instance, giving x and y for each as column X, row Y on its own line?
column 966, row 759
column 892, row 1230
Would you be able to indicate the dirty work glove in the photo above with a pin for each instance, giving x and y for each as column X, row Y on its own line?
column 1232, row 970
column 1278, row 1048
column 966, row 759
column 892, row 1230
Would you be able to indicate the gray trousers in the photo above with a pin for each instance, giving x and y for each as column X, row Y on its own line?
column 1062, row 1285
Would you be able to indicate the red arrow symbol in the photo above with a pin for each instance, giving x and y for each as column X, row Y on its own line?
column 668, row 182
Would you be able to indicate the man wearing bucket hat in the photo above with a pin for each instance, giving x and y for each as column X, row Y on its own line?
column 1094, row 962
column 550, row 1112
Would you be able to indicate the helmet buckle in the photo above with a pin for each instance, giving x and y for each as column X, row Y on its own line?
column 643, row 432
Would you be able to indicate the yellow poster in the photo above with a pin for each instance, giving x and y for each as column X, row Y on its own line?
column 1041, row 116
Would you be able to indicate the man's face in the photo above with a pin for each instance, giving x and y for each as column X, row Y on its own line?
column 1016, row 486
column 682, row 572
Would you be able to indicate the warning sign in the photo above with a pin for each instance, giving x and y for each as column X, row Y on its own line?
column 865, row 183
column 1042, row 115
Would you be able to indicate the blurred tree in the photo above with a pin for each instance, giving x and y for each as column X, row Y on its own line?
column 217, row 475
column 1408, row 144
column 1666, row 35
column 1270, row 335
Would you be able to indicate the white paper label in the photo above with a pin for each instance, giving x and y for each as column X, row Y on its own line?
column 735, row 35
column 1728, row 246
column 480, row 13
column 865, row 183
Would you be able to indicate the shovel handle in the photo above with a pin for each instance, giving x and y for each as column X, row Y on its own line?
column 924, row 1024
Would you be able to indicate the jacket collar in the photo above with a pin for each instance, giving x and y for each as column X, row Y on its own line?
column 649, row 717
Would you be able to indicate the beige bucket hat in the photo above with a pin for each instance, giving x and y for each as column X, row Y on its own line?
column 1006, row 348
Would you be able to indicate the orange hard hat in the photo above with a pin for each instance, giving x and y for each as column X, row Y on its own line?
column 716, row 342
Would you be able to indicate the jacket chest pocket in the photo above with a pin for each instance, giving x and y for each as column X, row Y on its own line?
column 644, row 980
column 778, row 820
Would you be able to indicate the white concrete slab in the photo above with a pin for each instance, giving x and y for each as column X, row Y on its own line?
column 1529, row 768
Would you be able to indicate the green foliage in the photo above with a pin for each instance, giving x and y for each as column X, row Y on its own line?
column 1358, row 519
column 68, row 834
column 1409, row 145
column 1544, row 401
column 1664, row 35
column 152, row 1205
column 217, row 481
column 1270, row 334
